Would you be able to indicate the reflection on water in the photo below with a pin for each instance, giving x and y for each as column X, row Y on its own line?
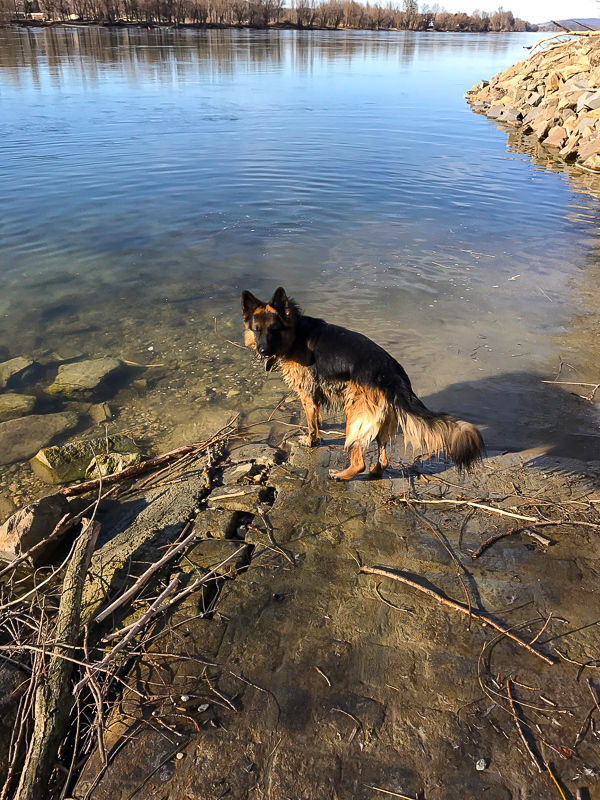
column 146, row 177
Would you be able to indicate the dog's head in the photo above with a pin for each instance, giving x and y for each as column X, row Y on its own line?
column 269, row 326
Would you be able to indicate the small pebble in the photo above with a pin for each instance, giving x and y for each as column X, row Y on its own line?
column 481, row 764
column 179, row 756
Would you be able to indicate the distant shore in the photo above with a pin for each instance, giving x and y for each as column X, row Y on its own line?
column 273, row 26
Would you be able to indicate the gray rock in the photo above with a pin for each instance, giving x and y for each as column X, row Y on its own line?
column 7, row 507
column 108, row 463
column 209, row 420
column 557, row 137
column 238, row 498
column 70, row 462
column 582, row 102
column 14, row 371
column 238, row 473
column 100, row 412
column 216, row 524
column 30, row 526
column 13, row 406
column 589, row 149
column 209, row 554
column 20, row 439
column 262, row 454
column 593, row 102
column 84, row 377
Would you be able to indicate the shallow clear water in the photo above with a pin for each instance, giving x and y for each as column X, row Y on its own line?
column 146, row 177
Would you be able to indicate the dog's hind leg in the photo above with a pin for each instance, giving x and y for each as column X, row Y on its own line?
column 386, row 432
column 380, row 467
column 311, row 409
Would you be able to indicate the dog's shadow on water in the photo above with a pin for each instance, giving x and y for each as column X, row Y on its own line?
column 517, row 412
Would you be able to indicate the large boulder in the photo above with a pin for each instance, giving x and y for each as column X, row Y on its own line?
column 84, row 377
column 15, row 370
column 13, row 406
column 30, row 526
column 71, row 462
column 20, row 439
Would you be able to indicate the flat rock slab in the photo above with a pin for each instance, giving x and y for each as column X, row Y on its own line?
column 84, row 377
column 13, row 406
column 344, row 683
column 20, row 439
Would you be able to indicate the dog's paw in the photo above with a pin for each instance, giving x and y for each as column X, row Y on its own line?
column 307, row 441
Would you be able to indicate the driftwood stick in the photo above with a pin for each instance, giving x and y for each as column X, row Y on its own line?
column 127, row 638
column 534, row 757
column 145, row 577
column 52, row 700
column 482, row 616
column 470, row 503
column 524, row 528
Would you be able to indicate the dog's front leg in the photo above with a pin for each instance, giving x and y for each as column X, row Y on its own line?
column 311, row 409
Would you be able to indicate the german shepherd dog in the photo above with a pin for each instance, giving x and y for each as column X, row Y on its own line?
column 329, row 366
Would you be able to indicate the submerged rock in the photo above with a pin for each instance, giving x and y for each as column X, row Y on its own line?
column 20, row 439
column 13, row 406
column 84, row 377
column 30, row 526
column 14, row 371
column 71, row 462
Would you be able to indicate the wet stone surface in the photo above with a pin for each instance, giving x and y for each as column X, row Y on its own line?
column 295, row 679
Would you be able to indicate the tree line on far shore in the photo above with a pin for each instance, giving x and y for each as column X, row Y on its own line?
column 265, row 13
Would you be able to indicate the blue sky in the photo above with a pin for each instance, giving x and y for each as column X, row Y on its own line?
column 533, row 10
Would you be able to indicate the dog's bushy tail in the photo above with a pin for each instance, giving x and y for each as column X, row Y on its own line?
column 438, row 432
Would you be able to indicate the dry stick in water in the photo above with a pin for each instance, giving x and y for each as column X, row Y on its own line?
column 52, row 699
column 482, row 616
column 534, row 757
column 145, row 577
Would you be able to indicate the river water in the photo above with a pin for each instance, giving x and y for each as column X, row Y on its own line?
column 147, row 177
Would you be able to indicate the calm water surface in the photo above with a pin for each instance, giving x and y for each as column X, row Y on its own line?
column 146, row 177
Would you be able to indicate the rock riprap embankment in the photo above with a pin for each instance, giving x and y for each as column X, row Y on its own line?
column 553, row 95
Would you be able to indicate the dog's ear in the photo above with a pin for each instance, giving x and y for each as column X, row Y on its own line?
column 280, row 302
column 249, row 304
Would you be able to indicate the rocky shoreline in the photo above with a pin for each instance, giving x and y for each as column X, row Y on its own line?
column 554, row 95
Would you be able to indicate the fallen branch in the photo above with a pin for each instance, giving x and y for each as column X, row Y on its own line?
column 52, row 699
column 145, row 577
column 523, row 529
column 180, row 596
column 127, row 638
column 534, row 756
column 482, row 616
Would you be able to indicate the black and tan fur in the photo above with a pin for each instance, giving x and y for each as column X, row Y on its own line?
column 330, row 366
